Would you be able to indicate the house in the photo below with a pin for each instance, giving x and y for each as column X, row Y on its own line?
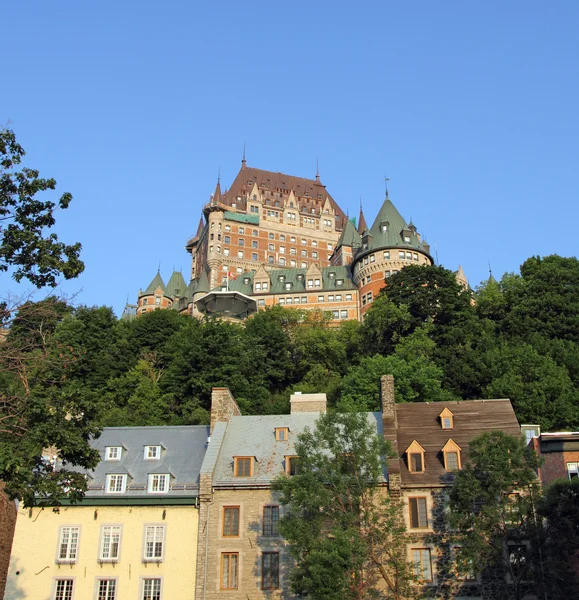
column 240, row 553
column 430, row 441
column 134, row 535
column 560, row 454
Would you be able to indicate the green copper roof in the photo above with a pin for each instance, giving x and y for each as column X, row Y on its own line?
column 387, row 230
column 202, row 283
column 176, row 286
column 250, row 219
column 157, row 282
column 350, row 237
column 333, row 278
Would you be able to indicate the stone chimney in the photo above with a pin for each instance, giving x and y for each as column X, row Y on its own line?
column 301, row 403
column 388, row 401
column 223, row 407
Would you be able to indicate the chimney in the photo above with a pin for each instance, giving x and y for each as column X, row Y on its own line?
column 301, row 403
column 388, row 402
column 223, row 407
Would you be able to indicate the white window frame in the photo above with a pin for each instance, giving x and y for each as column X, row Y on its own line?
column 150, row 454
column 110, row 531
column 155, row 479
column 150, row 595
column 107, row 595
column 55, row 581
column 113, row 452
column 112, row 477
column 573, row 470
column 69, row 555
column 153, row 533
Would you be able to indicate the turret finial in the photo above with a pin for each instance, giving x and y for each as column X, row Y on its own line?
column 386, row 180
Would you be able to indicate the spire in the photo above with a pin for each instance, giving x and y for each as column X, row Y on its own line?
column 361, row 221
column 317, row 171
column 386, row 180
column 243, row 159
column 157, row 282
column 200, row 227
column 217, row 195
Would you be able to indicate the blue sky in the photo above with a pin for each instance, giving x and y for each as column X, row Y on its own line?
column 469, row 107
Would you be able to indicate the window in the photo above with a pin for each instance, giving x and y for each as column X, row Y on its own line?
column 145, row 301
column 451, row 452
column 304, row 252
column 401, row 254
column 415, row 455
column 282, row 249
column 106, row 589
column 63, row 589
column 517, row 559
column 282, row 237
column 116, row 484
column 372, row 258
column 330, row 297
column 228, row 228
column 151, row 589
column 154, row 542
column 157, row 300
column 293, row 251
column 281, row 434
column 270, row 521
column 317, row 283
column 310, row 283
column 271, row 247
column 422, row 564
column 348, row 296
column 241, row 230
column 110, row 542
column 293, row 239
column 343, row 314
column 231, row 521
column 244, row 464
column 464, row 567
column 387, row 255
column 282, row 261
column 270, row 236
column 304, row 300
column 320, row 298
column 265, row 286
column 270, row 571
column 254, row 256
column 409, row 255
column 573, row 470
column 158, row 483
column 258, row 287
column 240, row 254
column 229, row 569
column 68, row 544
column 254, row 244
column 415, row 256
column 282, row 301
column 304, row 242
column 113, row 453
column 261, row 302
column 418, row 514
column 152, row 452
column 447, row 419
column 255, row 232
column 291, row 465
column 226, row 251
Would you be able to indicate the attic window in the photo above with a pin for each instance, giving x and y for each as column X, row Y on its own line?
column 407, row 239
column 288, row 286
column 384, row 227
column 243, row 466
column 291, row 465
column 113, row 453
column 246, row 280
column 415, row 455
column 446, row 419
column 339, row 282
column 451, row 453
column 152, row 453
column 281, row 434
column 331, row 275
column 282, row 278
column 300, row 277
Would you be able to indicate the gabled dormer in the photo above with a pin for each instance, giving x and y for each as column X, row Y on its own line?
column 451, row 453
column 446, row 419
column 415, row 457
column 261, row 282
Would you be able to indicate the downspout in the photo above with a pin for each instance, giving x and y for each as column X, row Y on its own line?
column 206, row 549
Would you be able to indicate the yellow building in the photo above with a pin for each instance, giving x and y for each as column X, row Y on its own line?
column 133, row 536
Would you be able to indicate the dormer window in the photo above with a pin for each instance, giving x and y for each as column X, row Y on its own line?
column 281, row 434
column 384, row 227
column 288, row 286
column 282, row 278
column 113, row 453
column 451, row 453
column 446, row 419
column 292, row 465
column 246, row 280
column 152, row 453
column 243, row 466
column 331, row 275
column 339, row 282
column 415, row 456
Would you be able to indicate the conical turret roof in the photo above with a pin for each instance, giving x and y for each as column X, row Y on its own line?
column 390, row 229
column 157, row 282
column 350, row 237
column 362, row 222
column 176, row 285
column 203, row 284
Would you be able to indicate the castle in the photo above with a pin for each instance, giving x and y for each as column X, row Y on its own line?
column 278, row 239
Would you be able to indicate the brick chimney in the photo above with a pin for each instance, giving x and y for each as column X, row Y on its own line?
column 301, row 403
column 223, row 406
column 388, row 401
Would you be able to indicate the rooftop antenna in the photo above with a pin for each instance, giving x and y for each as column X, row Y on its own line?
column 317, row 171
column 436, row 253
column 159, row 267
column 243, row 159
column 386, row 180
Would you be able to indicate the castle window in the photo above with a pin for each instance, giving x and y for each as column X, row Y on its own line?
column 349, row 297
column 387, row 255
column 241, row 242
column 281, row 278
column 157, row 300
column 386, row 274
column 339, row 282
column 415, row 256
column 226, row 251
column 270, row 260
column 409, row 256
column 254, row 256
column 282, row 249
column 243, row 466
column 228, row 228
column 331, row 298
column 451, row 453
column 343, row 314
column 282, row 301
column 310, row 283
column 293, row 251
column 241, row 230
column 422, row 564
column 446, row 419
column 407, row 239
column 304, row 265
column 288, row 286
column 338, row 297
column 245, row 280
column 233, row 205
column 372, row 257
column 152, row 453
column 158, row 483
column 282, row 238
column 573, row 470
column 145, row 301
column 317, row 283
column 384, row 227
column 314, row 254
column 265, row 286
column 401, row 254
column 270, row 236
column 240, row 254
column 261, row 302
column 304, row 242
column 270, row 521
column 281, row 434
column 255, row 233
column 254, row 244
column 366, row 260
column 258, row 287
column 415, row 456
column 116, row 483
column 304, row 253
column 270, row 571
column 320, row 298
column 229, row 570
column 335, row 314
column 271, row 247
column 304, row 299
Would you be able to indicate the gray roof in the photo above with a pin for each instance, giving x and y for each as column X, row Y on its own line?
column 255, row 436
column 182, row 453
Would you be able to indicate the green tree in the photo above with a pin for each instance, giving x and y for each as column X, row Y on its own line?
column 493, row 509
column 24, row 220
column 345, row 533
